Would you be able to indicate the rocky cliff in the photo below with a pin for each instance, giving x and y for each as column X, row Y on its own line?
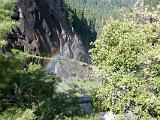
column 43, row 30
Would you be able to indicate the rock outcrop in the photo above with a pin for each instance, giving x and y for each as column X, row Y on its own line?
column 44, row 31
column 71, row 70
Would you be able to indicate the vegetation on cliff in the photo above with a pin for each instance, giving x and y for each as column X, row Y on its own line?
column 127, row 49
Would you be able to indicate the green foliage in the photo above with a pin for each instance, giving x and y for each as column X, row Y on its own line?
column 89, row 16
column 24, row 55
column 123, row 93
column 130, row 49
column 86, row 85
column 6, row 24
column 29, row 88
column 29, row 93
column 152, row 2
column 17, row 114
column 8, row 66
column 98, row 11
column 121, row 43
column 87, row 117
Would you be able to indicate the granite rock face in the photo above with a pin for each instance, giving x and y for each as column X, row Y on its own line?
column 43, row 30
column 71, row 70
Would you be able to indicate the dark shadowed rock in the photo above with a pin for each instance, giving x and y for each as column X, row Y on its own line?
column 44, row 31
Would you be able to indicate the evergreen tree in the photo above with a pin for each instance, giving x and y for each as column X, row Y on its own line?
column 6, row 24
column 7, row 66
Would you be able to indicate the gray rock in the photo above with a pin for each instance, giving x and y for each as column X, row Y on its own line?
column 107, row 115
column 69, row 70
column 86, row 107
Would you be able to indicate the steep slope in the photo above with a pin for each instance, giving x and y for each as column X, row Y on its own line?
column 44, row 31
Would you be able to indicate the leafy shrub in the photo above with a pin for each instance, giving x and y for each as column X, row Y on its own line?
column 121, row 43
column 29, row 88
column 18, row 114
column 130, row 49
column 87, row 117
column 129, row 93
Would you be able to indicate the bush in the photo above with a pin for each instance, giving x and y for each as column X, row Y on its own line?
column 35, row 89
column 31, row 88
column 18, row 114
column 129, row 93
column 121, row 43
column 87, row 117
column 129, row 50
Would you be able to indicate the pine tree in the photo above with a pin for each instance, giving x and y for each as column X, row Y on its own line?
column 7, row 65
column 6, row 24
